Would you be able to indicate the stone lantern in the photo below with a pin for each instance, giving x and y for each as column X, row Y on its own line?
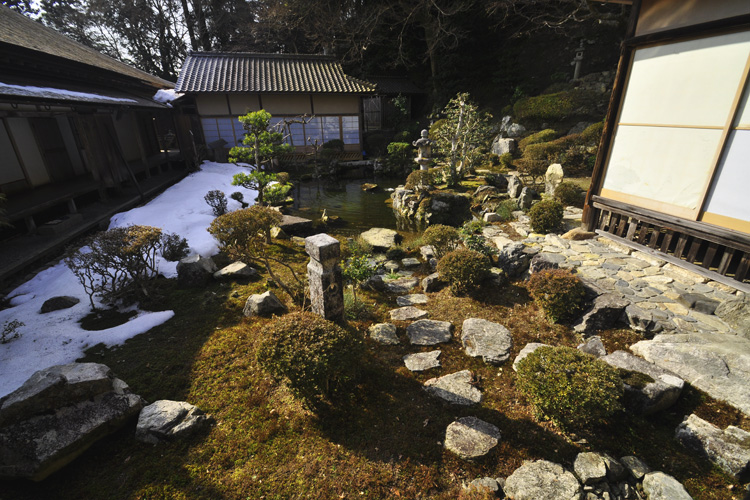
column 424, row 145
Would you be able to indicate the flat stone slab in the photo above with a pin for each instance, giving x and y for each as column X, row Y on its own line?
column 400, row 285
column 542, row 480
column 728, row 448
column 381, row 238
column 715, row 363
column 648, row 397
column 410, row 262
column 407, row 313
column 471, row 438
column 456, row 388
column 422, row 361
column 411, row 300
column 236, row 270
column 487, row 340
column 296, row 226
column 384, row 333
column 429, row 332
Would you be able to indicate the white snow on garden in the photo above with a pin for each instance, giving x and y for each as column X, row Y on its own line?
column 53, row 93
column 56, row 337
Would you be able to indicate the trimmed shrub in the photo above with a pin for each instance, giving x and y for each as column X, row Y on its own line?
column 239, row 197
column 545, row 135
column 420, row 180
column 443, row 239
column 506, row 161
column 283, row 177
column 239, row 233
column 217, row 200
column 355, row 247
column 334, row 144
column 464, row 270
column 546, row 216
column 505, row 210
column 593, row 133
column 569, row 387
column 478, row 243
column 117, row 264
column 400, row 154
column 315, row 357
column 174, row 248
column 569, row 194
column 559, row 293
column 556, row 107
column 276, row 194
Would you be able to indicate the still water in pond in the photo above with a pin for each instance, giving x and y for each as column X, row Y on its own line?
column 360, row 210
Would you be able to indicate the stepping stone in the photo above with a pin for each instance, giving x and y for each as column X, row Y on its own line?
column 427, row 331
column 236, row 270
column 455, row 388
column 410, row 262
column 422, row 361
column 384, row 333
column 542, row 480
column 471, row 438
column 487, row 340
column 407, row 313
column 411, row 300
column 401, row 285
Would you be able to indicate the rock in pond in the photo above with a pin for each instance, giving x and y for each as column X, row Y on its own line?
column 381, row 238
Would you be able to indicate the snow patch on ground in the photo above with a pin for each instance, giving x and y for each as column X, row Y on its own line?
column 56, row 337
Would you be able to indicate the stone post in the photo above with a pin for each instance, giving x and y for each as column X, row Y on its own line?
column 324, row 275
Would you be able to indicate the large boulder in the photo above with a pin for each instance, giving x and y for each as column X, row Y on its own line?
column 264, row 304
column 514, row 186
column 195, row 271
column 514, row 259
column 167, row 420
column 448, row 208
column 728, row 448
column 57, row 414
column 380, row 238
column 542, row 480
column 605, row 312
column 650, row 388
column 590, row 467
column 471, row 438
column 660, row 486
column 736, row 313
column 487, row 340
column 501, row 145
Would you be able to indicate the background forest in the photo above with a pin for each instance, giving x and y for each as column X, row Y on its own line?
column 497, row 50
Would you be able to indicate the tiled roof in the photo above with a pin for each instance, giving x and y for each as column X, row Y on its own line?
column 17, row 30
column 272, row 73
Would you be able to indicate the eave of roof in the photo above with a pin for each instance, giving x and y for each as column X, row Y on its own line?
column 46, row 94
column 228, row 72
column 17, row 30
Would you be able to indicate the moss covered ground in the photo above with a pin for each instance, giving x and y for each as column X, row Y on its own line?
column 384, row 440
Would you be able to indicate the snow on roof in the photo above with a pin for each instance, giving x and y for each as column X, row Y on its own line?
column 166, row 96
column 60, row 94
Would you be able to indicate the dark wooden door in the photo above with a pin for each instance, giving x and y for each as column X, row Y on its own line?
column 52, row 147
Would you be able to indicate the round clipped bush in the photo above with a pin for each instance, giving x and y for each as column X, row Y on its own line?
column 420, row 180
column 443, row 239
column 464, row 270
column 546, row 216
column 559, row 293
column 569, row 194
column 569, row 387
column 315, row 357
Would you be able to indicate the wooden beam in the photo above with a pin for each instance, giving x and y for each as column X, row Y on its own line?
column 745, row 287
column 704, row 231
